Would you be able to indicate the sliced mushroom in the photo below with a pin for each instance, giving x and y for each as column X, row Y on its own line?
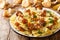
column 8, row 13
column 17, row 1
column 37, row 1
column 46, row 3
column 25, row 3
column 11, row 11
column 14, row 2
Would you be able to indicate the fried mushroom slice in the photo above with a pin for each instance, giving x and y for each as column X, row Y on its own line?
column 8, row 13
column 4, row 4
column 46, row 3
column 17, row 1
column 37, row 1
column 25, row 3
column 12, row 3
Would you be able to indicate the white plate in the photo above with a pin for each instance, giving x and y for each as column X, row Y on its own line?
column 39, row 36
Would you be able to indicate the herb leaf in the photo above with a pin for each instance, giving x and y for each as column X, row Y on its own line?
column 39, row 32
column 48, row 11
column 51, row 20
column 35, row 16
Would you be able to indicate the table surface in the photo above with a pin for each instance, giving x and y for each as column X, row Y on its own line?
column 6, row 33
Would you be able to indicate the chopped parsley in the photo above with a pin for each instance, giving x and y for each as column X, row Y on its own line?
column 48, row 11
column 34, row 16
column 39, row 32
column 51, row 20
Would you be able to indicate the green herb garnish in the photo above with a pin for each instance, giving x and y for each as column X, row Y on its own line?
column 48, row 11
column 51, row 20
column 39, row 32
column 35, row 16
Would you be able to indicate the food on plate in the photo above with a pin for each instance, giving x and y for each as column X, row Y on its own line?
column 29, row 18
column 6, row 4
column 56, row 7
column 8, row 13
column 37, row 1
column 34, row 22
column 46, row 3
column 25, row 3
column 17, row 1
